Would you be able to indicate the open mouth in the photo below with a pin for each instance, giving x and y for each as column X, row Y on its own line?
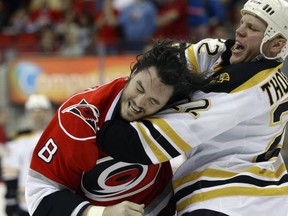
column 133, row 107
column 237, row 48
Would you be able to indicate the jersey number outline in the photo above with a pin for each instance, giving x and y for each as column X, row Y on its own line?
column 203, row 104
column 206, row 46
column 48, row 150
column 275, row 147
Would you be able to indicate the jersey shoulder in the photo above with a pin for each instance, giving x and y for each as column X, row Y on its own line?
column 206, row 55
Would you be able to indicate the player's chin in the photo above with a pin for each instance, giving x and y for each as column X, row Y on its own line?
column 234, row 59
column 135, row 117
column 129, row 116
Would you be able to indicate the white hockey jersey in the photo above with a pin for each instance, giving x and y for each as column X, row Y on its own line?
column 16, row 163
column 232, row 135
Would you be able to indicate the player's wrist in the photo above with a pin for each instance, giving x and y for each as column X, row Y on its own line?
column 93, row 211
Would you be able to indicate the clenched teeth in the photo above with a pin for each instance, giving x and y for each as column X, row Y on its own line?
column 133, row 108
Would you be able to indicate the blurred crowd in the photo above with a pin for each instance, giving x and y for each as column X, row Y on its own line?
column 83, row 27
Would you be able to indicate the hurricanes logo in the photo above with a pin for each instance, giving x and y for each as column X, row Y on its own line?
column 113, row 180
column 85, row 111
column 88, row 115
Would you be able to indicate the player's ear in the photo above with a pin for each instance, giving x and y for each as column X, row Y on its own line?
column 278, row 44
column 275, row 46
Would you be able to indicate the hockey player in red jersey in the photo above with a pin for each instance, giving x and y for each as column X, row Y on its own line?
column 69, row 175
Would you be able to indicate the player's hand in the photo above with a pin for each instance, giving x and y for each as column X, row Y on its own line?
column 124, row 208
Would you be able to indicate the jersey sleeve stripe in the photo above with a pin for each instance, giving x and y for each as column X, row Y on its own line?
column 161, row 140
column 232, row 191
column 215, row 182
column 167, row 131
column 161, row 157
column 220, row 174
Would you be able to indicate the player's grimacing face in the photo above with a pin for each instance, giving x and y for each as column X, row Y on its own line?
column 144, row 95
column 248, row 39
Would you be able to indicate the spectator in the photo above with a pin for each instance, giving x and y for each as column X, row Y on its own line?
column 55, row 5
column 87, row 6
column 85, row 27
column 203, row 17
column 18, row 22
column 71, row 46
column 107, row 30
column 8, row 8
column 171, row 19
column 48, row 42
column 137, row 22
column 69, row 19
column 43, row 15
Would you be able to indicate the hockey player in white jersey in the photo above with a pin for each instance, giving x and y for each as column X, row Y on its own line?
column 232, row 133
column 16, row 161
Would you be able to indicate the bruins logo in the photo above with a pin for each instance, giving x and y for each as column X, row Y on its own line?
column 223, row 77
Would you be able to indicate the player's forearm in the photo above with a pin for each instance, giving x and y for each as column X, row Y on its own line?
column 62, row 202
column 115, row 132
column 121, row 209
column 93, row 211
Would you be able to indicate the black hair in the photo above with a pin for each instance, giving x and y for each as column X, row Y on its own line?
column 168, row 57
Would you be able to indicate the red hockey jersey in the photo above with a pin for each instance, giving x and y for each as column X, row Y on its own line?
column 68, row 169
